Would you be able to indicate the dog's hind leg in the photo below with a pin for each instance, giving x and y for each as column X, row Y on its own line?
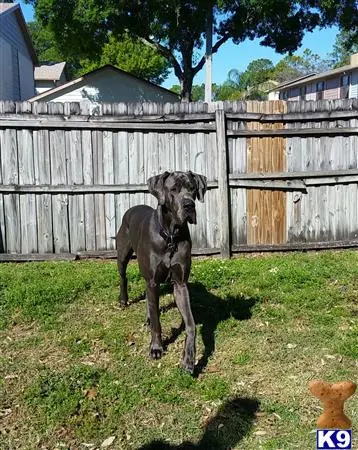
column 124, row 254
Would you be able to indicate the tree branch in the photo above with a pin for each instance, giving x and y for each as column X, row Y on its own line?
column 215, row 48
column 164, row 51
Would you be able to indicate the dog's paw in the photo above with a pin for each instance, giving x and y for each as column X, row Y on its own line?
column 188, row 366
column 156, row 351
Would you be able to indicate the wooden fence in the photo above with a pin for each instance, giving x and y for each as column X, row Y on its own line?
column 282, row 175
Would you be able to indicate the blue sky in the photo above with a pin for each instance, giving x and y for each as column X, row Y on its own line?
column 232, row 56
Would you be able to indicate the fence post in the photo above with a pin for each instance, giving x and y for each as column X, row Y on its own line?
column 223, row 182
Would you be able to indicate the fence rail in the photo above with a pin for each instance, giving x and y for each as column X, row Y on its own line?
column 281, row 176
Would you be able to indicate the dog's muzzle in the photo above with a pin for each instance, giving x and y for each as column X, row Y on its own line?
column 189, row 210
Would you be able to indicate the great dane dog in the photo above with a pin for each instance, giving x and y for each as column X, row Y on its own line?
column 161, row 240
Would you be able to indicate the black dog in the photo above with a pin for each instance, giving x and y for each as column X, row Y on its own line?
column 161, row 240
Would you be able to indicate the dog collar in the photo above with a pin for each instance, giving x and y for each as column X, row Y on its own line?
column 169, row 238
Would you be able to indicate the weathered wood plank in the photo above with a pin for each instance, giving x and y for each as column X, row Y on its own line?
column 265, row 183
column 74, row 160
column 43, row 201
column 104, row 125
column 182, row 117
column 295, row 246
column 223, row 181
column 11, row 201
column 295, row 174
column 108, row 178
column 28, row 222
column 284, row 132
column 60, row 201
column 121, row 175
column 98, row 178
column 17, row 258
column 88, row 180
column 2, row 212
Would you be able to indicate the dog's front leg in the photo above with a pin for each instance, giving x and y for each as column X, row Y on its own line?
column 182, row 299
column 156, row 346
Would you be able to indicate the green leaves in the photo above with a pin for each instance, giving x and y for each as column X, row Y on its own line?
column 177, row 29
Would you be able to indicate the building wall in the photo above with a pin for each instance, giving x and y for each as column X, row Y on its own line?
column 332, row 88
column 110, row 86
column 16, row 68
column 311, row 92
column 6, row 71
column 43, row 86
column 353, row 88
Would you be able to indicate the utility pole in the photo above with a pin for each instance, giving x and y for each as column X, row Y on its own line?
column 209, row 56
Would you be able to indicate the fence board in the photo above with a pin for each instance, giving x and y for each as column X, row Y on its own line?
column 11, row 201
column 266, row 209
column 76, row 211
column 2, row 212
column 42, row 169
column 108, row 178
column 28, row 224
column 60, row 201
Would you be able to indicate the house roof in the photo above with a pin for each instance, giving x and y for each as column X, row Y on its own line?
column 295, row 80
column 84, row 78
column 9, row 8
column 50, row 72
column 6, row 6
column 316, row 77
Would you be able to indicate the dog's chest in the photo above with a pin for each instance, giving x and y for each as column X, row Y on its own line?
column 172, row 267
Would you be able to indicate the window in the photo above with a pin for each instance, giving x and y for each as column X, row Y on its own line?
column 303, row 91
column 345, row 80
column 284, row 95
column 320, row 86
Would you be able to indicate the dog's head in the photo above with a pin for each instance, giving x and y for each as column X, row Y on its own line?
column 177, row 191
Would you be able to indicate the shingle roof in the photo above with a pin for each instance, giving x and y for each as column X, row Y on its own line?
column 319, row 76
column 295, row 80
column 49, row 72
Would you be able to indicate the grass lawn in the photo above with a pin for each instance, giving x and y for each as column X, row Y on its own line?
column 75, row 372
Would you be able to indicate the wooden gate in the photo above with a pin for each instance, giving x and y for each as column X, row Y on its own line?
column 266, row 209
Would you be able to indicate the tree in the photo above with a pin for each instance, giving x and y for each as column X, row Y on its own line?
column 47, row 50
column 129, row 54
column 133, row 56
column 294, row 66
column 252, row 83
column 346, row 43
column 177, row 28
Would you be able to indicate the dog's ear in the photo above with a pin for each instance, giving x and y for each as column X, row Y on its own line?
column 200, row 184
column 156, row 186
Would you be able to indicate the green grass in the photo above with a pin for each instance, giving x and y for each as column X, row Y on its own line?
column 74, row 367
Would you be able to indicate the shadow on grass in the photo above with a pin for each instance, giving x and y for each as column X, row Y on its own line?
column 229, row 426
column 209, row 310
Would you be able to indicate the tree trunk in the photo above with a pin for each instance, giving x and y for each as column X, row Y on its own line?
column 186, row 84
